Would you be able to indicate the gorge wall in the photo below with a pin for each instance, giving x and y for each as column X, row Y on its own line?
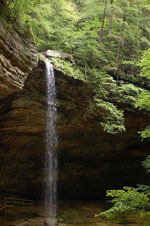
column 90, row 160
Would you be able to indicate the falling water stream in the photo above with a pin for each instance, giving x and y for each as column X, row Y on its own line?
column 51, row 143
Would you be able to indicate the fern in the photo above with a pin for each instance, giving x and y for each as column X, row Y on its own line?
column 114, row 120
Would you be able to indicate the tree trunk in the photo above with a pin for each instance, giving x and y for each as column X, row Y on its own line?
column 132, row 55
column 110, row 24
column 102, row 26
column 119, row 47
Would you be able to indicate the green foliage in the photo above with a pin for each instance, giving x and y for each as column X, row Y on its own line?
column 130, row 89
column 144, row 188
column 145, row 133
column 114, row 120
column 105, row 37
column 56, row 20
column 125, row 201
column 143, row 101
column 144, row 64
column 105, row 88
column 129, row 200
column 17, row 10
column 68, row 68
column 86, row 42
column 107, row 92
column 93, row 31
column 128, row 93
column 102, row 83
column 146, row 164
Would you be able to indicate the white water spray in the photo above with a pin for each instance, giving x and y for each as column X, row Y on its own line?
column 51, row 143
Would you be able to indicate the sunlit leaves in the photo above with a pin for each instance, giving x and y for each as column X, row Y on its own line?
column 145, row 64
column 144, row 98
column 125, row 202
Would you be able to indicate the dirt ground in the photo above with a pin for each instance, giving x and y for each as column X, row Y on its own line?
column 77, row 213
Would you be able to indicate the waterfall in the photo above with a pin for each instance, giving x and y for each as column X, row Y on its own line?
column 51, row 143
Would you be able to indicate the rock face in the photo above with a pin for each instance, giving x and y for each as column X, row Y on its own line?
column 90, row 160
column 17, row 58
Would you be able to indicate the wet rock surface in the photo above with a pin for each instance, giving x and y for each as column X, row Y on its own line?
column 54, row 222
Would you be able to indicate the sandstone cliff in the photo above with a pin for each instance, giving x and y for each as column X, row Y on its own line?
column 17, row 58
column 90, row 160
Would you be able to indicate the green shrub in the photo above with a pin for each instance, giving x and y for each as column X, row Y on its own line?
column 125, row 201
column 68, row 68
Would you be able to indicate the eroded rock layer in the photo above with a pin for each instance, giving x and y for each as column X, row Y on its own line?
column 17, row 58
column 90, row 160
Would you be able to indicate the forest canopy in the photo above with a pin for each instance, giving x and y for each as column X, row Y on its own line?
column 105, row 37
